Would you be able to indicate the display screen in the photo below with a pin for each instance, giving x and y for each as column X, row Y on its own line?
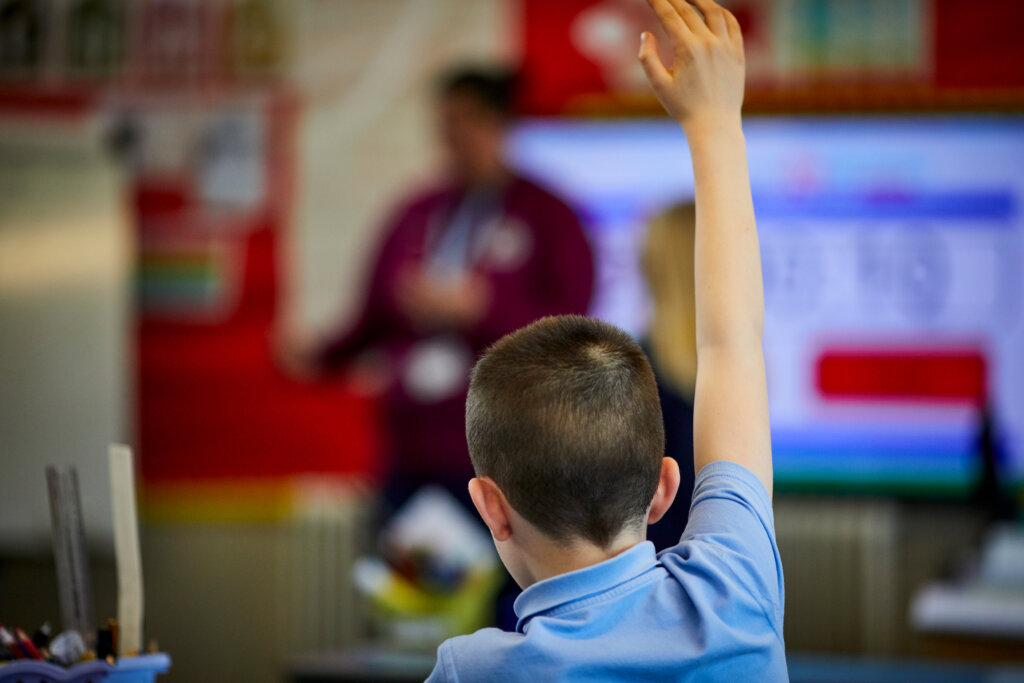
column 892, row 259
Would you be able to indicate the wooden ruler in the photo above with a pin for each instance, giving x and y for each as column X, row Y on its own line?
column 126, row 547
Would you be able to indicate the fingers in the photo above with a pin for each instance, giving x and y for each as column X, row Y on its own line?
column 735, row 34
column 714, row 17
column 690, row 17
column 683, row 23
column 656, row 72
column 680, row 19
column 669, row 17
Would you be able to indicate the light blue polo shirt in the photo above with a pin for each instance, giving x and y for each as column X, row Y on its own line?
column 708, row 609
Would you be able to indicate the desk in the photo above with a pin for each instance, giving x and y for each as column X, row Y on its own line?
column 981, row 616
column 380, row 665
column 370, row 664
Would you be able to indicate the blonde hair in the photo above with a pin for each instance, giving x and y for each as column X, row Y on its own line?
column 667, row 261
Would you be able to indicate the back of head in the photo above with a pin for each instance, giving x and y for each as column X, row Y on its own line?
column 564, row 416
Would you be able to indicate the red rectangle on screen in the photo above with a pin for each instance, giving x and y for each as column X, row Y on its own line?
column 902, row 374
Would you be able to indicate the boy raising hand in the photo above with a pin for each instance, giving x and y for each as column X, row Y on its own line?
column 565, row 434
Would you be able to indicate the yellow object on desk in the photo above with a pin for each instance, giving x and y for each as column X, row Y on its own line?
column 417, row 615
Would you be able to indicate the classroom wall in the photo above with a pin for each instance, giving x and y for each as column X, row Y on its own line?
column 65, row 361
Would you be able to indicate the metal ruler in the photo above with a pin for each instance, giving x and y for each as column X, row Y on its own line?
column 75, row 590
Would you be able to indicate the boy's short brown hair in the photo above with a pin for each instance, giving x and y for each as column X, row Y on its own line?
column 564, row 416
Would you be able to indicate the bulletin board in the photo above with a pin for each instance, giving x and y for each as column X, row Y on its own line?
column 196, row 102
column 803, row 56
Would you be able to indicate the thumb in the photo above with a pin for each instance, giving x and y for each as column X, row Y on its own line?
column 656, row 72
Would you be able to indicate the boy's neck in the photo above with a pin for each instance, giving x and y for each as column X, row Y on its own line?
column 551, row 558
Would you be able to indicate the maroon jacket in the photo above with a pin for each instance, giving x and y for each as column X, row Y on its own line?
column 537, row 261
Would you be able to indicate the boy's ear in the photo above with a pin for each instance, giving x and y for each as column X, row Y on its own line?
column 668, row 487
column 491, row 504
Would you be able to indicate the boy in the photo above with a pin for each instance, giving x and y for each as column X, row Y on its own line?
column 566, row 438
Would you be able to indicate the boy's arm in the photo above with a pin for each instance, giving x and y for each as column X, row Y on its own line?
column 703, row 91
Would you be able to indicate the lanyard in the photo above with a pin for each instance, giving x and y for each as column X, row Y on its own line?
column 455, row 245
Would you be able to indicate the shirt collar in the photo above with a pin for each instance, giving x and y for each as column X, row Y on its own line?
column 559, row 590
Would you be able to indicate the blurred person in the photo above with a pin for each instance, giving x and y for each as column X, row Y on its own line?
column 463, row 263
column 671, row 346
column 991, row 492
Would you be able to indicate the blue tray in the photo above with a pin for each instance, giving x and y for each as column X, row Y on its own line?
column 141, row 669
column 27, row 671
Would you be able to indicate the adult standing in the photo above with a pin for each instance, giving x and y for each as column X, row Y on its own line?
column 479, row 255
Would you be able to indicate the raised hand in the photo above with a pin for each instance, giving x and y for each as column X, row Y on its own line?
column 705, row 81
column 703, row 90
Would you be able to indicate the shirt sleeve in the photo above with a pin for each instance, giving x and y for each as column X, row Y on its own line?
column 442, row 669
column 379, row 314
column 731, row 515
